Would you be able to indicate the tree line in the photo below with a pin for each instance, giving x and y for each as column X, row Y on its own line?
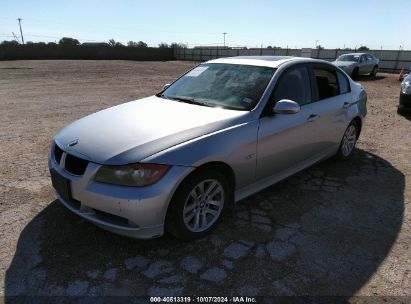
column 138, row 44
column 75, row 42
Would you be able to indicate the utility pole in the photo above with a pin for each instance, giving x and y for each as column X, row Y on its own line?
column 224, row 37
column 316, row 43
column 21, row 31
column 15, row 37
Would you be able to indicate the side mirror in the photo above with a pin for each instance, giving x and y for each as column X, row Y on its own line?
column 286, row 106
column 166, row 86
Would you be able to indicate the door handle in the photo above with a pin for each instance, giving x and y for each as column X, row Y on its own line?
column 313, row 117
column 346, row 105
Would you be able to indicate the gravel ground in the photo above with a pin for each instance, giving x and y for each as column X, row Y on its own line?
column 336, row 229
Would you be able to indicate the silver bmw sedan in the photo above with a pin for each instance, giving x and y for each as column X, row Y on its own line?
column 223, row 131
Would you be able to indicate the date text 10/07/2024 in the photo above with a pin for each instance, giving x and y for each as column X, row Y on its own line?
column 203, row 299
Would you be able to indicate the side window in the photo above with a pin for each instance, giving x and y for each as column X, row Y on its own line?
column 344, row 83
column 369, row 57
column 363, row 58
column 327, row 83
column 294, row 85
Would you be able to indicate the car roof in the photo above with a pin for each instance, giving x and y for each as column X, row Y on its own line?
column 266, row 61
column 359, row 54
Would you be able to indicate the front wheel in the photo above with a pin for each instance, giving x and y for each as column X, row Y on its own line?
column 355, row 73
column 374, row 71
column 198, row 204
column 347, row 145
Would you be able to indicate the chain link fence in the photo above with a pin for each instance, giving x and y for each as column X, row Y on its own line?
column 390, row 60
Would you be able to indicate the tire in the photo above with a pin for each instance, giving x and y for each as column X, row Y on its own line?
column 404, row 112
column 191, row 214
column 348, row 142
column 374, row 71
column 354, row 74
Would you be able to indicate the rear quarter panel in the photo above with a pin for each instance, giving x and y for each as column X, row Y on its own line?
column 359, row 98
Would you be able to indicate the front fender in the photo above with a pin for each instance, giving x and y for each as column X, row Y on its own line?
column 236, row 146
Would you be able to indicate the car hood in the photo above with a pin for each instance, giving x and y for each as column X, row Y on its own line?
column 132, row 131
column 344, row 64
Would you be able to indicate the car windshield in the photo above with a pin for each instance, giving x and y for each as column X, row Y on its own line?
column 349, row 58
column 229, row 86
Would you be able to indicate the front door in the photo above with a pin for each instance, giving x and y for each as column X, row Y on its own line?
column 285, row 140
column 363, row 65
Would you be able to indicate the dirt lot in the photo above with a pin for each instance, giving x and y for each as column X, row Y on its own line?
column 335, row 229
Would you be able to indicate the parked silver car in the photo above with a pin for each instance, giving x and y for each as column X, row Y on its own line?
column 404, row 106
column 355, row 64
column 225, row 130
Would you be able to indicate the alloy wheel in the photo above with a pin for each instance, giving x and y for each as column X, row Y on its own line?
column 349, row 140
column 203, row 205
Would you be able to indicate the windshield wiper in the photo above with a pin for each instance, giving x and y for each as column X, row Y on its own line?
column 193, row 101
column 162, row 96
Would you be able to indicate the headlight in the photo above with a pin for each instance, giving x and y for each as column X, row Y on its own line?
column 406, row 87
column 135, row 175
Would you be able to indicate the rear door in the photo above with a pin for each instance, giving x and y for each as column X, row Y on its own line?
column 332, row 98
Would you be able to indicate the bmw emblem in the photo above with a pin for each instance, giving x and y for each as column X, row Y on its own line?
column 73, row 143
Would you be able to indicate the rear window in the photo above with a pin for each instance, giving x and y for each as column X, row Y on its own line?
column 327, row 83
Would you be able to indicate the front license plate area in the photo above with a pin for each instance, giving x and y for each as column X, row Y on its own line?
column 61, row 184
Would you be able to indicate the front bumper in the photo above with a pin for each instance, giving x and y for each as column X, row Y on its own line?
column 137, row 212
column 405, row 104
column 347, row 69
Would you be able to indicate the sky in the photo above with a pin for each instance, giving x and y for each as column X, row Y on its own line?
column 253, row 23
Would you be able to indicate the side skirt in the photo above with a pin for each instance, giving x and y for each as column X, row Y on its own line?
column 268, row 181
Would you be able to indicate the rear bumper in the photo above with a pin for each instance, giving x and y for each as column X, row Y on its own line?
column 137, row 212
